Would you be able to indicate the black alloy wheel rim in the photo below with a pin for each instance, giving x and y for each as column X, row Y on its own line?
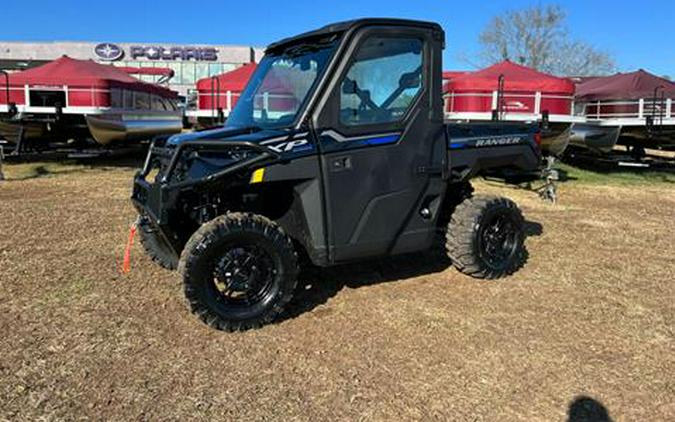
column 243, row 276
column 498, row 241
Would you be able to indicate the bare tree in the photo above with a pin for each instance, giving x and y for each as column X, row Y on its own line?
column 537, row 37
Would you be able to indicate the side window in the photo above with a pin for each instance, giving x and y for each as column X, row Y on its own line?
column 116, row 98
column 128, row 98
column 382, row 82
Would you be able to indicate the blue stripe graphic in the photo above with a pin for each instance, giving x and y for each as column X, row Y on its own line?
column 391, row 139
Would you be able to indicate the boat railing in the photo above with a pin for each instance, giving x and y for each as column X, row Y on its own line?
column 501, row 102
column 654, row 108
column 231, row 97
column 11, row 106
column 216, row 109
column 498, row 111
column 654, row 120
column 76, row 100
column 223, row 100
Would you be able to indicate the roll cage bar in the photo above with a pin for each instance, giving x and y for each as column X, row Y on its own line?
column 11, row 106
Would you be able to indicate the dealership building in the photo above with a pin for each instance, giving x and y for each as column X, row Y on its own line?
column 189, row 62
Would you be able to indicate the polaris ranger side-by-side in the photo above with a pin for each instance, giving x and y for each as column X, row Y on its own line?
column 336, row 151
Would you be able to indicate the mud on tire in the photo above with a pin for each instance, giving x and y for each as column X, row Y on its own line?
column 239, row 271
column 485, row 237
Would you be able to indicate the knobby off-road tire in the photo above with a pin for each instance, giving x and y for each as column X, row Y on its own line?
column 239, row 271
column 485, row 237
column 154, row 246
column 455, row 195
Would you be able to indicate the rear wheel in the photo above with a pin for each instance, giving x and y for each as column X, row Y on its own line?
column 485, row 237
column 239, row 271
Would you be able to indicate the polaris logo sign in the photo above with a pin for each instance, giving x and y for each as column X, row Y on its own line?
column 108, row 52
column 174, row 53
column 491, row 142
column 112, row 52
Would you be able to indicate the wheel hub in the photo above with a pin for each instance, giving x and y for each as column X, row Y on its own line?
column 243, row 274
column 498, row 241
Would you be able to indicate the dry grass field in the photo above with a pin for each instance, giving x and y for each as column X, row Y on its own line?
column 592, row 314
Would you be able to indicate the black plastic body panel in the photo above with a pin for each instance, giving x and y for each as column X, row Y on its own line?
column 475, row 148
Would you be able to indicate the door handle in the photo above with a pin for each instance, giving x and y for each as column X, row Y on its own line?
column 430, row 170
column 341, row 164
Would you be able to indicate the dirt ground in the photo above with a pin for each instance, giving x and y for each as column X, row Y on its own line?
column 586, row 326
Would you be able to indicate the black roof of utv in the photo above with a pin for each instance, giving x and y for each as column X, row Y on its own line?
column 347, row 25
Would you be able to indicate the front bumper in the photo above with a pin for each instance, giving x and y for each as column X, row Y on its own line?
column 149, row 199
column 159, row 198
column 152, row 203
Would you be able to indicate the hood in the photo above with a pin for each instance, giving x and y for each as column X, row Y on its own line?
column 285, row 142
column 227, row 133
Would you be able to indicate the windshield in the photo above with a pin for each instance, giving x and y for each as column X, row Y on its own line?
column 280, row 86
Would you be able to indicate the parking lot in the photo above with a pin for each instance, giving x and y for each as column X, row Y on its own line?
column 592, row 314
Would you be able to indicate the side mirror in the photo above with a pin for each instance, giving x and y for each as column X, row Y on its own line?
column 410, row 80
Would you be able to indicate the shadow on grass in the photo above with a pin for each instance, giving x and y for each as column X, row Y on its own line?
column 316, row 286
column 616, row 175
column 587, row 409
column 39, row 171
column 618, row 166
column 24, row 169
column 533, row 229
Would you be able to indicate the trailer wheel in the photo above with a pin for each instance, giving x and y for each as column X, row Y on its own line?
column 239, row 271
column 155, row 246
column 485, row 237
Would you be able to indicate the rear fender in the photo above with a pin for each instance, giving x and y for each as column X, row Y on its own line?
column 466, row 163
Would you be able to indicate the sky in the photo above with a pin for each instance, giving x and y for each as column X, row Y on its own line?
column 639, row 34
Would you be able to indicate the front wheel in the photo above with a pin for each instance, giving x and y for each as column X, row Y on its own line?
column 485, row 237
column 155, row 246
column 239, row 271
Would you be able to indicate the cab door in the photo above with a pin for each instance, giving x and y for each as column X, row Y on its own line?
column 382, row 144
